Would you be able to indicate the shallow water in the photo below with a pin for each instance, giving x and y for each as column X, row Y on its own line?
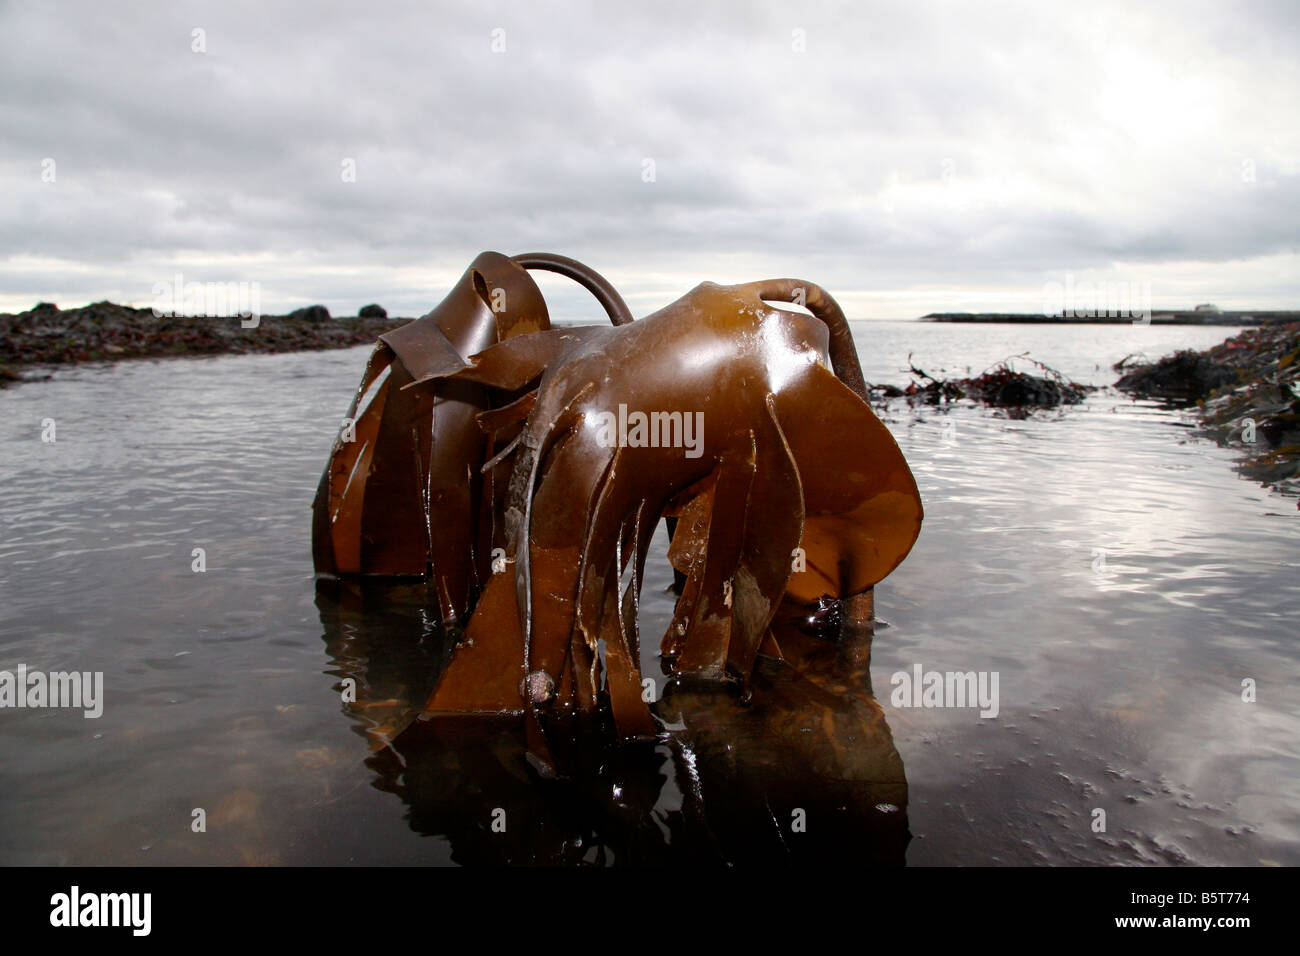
column 1120, row 678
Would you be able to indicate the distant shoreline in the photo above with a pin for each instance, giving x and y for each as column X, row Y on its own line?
column 107, row 332
column 1189, row 317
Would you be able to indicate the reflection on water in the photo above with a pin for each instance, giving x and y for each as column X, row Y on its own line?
column 807, row 771
column 1108, row 565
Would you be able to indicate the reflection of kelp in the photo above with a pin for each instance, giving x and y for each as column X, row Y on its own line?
column 728, row 783
column 379, row 635
column 812, row 745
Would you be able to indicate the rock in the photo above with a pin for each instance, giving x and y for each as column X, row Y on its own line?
column 373, row 311
column 311, row 313
column 44, row 308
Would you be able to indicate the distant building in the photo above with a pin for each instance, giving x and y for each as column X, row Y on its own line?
column 1208, row 307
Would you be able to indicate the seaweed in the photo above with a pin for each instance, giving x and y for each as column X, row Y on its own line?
column 1001, row 385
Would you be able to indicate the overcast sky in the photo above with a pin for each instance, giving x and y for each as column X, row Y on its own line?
column 909, row 157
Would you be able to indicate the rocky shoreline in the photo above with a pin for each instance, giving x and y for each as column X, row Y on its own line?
column 106, row 331
column 1247, row 392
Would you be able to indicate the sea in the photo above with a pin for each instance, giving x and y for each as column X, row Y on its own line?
column 1124, row 599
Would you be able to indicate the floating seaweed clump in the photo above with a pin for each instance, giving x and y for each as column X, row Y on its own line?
column 1001, row 386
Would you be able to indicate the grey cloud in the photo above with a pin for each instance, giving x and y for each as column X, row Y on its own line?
column 912, row 144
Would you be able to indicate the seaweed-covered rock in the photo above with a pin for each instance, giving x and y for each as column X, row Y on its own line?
column 1248, row 390
column 373, row 311
column 1261, row 415
column 1185, row 376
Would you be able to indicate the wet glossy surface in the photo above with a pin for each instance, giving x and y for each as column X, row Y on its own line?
column 1120, row 688
column 755, row 472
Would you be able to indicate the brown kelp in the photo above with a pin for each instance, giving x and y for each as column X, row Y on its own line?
column 523, row 470
column 403, row 493
column 719, row 412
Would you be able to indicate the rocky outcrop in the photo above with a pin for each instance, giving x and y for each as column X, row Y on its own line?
column 105, row 331
column 1185, row 376
column 311, row 313
column 1248, row 391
